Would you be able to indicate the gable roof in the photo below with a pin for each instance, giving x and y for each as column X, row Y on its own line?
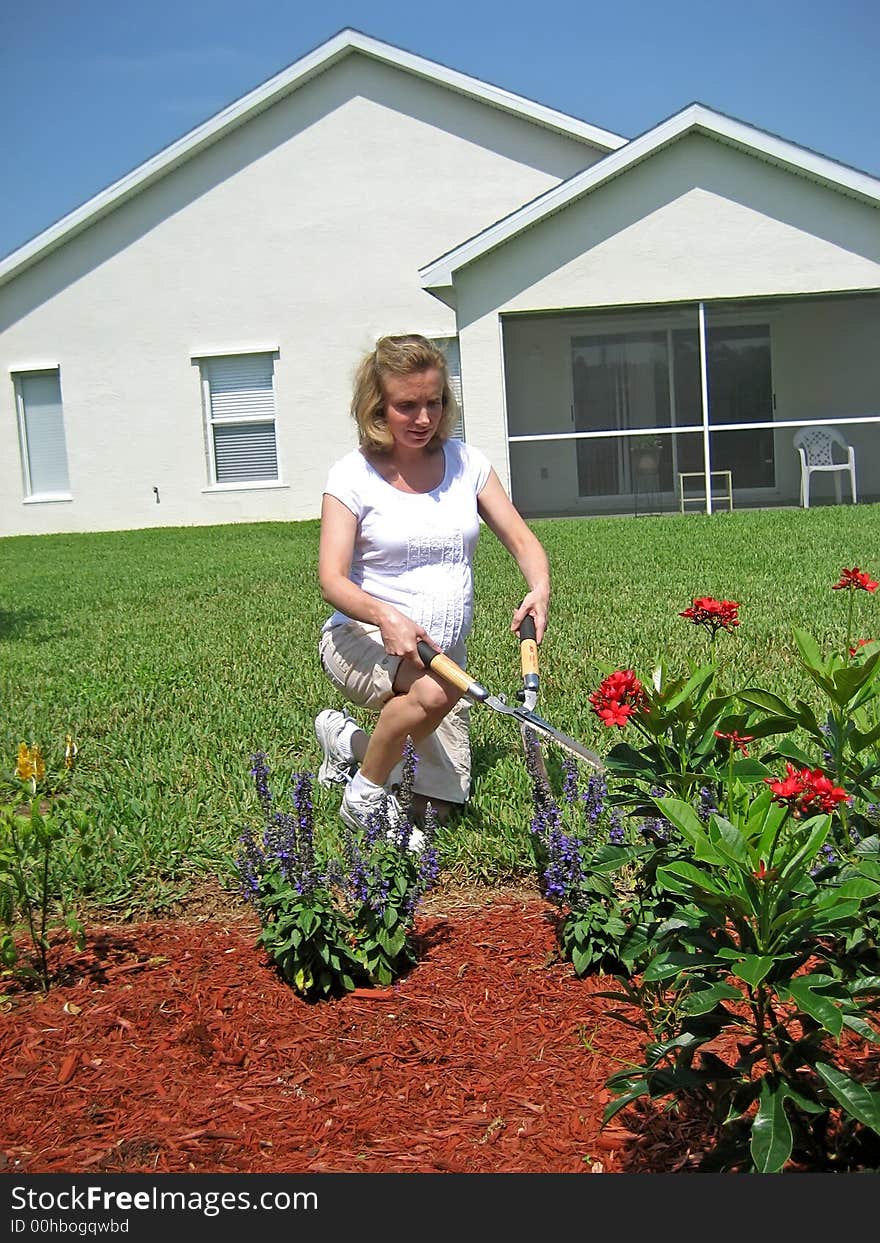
column 694, row 119
column 270, row 92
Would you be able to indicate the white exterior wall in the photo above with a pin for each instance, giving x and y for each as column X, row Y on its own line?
column 697, row 221
column 303, row 230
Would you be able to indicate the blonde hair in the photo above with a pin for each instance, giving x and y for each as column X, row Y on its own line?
column 401, row 355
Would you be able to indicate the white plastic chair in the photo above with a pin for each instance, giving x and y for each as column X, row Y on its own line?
column 815, row 446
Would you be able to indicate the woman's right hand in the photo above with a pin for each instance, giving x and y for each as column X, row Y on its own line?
column 401, row 635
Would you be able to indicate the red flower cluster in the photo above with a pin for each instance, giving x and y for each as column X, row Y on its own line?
column 851, row 580
column 617, row 698
column 737, row 739
column 806, row 791
column 713, row 614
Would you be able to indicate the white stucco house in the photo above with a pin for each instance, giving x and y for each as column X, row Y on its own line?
column 179, row 350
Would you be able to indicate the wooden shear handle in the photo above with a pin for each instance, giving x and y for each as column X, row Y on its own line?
column 528, row 653
column 446, row 668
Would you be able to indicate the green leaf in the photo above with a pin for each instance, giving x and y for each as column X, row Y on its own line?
column 759, row 698
column 866, row 984
column 866, row 739
column 752, row 968
column 809, row 650
column 581, row 960
column 770, row 725
column 855, row 1098
column 789, row 750
column 694, row 684
column 694, row 878
column 730, row 842
column 626, row 759
column 748, row 769
column 701, row 1001
column 674, row 963
column 689, row 824
column 771, row 1140
column 816, row 829
column 818, row 1007
column 858, row 887
column 849, row 681
column 857, row 1024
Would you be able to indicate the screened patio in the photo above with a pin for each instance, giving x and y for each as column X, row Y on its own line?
column 628, row 410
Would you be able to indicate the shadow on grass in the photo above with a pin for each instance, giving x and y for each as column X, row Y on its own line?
column 19, row 623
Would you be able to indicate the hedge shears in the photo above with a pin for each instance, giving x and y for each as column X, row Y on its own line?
column 445, row 667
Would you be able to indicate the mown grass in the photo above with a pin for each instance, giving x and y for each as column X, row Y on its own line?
column 172, row 655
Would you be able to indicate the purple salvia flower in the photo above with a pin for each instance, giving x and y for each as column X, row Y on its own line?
column 249, row 864
column 260, row 774
column 594, row 798
column 410, row 766
column 827, row 855
column 570, row 791
column 564, row 872
column 305, row 831
column 655, row 829
column 707, row 806
column 541, row 793
column 426, row 876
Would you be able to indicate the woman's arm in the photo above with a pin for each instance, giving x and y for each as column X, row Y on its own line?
column 504, row 520
column 400, row 634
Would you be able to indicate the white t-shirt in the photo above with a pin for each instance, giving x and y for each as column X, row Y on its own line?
column 415, row 550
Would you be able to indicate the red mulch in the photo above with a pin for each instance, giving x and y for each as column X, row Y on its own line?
column 174, row 1047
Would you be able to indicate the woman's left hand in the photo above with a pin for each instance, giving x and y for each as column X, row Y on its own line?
column 536, row 603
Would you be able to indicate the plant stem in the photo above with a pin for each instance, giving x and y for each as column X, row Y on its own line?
column 24, row 896
column 44, row 915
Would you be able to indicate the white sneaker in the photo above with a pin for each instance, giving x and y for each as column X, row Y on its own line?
column 358, row 812
column 417, row 842
column 336, row 766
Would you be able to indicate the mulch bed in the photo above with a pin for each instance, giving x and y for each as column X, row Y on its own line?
column 174, row 1047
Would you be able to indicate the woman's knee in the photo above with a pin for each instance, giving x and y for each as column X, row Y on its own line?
column 436, row 698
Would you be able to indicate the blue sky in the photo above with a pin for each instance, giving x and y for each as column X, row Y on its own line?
column 89, row 89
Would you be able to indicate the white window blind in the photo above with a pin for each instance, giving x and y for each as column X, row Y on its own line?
column 41, row 425
column 450, row 347
column 240, row 406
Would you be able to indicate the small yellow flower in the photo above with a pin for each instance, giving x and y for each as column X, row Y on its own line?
column 24, row 769
column 70, row 749
column 38, row 763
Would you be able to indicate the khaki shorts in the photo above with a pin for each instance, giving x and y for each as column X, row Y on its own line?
column 354, row 659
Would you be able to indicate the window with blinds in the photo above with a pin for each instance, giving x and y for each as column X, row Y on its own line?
column 41, row 433
column 239, row 397
column 449, row 346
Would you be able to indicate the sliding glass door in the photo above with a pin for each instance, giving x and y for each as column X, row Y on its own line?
column 650, row 379
column 740, row 391
column 621, row 381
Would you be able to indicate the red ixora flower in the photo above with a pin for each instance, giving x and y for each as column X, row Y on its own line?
column 851, row 580
column 736, row 739
column 713, row 614
column 765, row 873
column 617, row 698
column 806, row 791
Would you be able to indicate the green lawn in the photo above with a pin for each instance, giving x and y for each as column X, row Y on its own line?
column 171, row 655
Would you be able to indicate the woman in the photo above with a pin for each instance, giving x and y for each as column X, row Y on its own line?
column 399, row 526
